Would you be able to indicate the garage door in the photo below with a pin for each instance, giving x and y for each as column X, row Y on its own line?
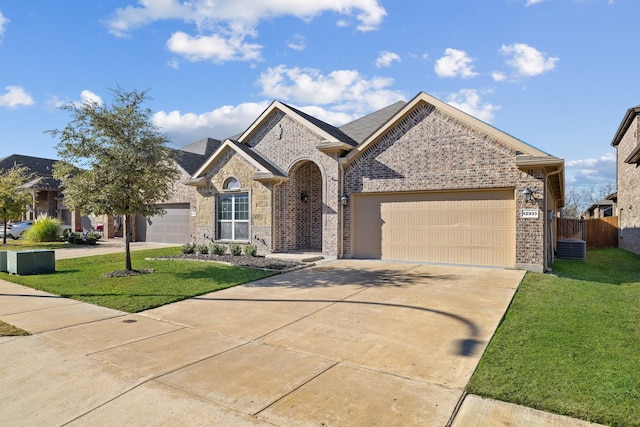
column 474, row 227
column 173, row 227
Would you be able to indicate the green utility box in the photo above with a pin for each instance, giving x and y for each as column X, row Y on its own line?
column 38, row 261
column 3, row 261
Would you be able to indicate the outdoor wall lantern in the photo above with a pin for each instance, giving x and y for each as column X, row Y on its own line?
column 344, row 199
column 304, row 197
column 528, row 195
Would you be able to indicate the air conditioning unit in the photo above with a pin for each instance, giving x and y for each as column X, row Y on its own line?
column 572, row 249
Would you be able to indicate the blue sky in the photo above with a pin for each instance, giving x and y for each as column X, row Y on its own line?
column 558, row 74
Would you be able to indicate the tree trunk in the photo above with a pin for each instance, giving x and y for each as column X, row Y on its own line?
column 127, row 240
column 4, row 237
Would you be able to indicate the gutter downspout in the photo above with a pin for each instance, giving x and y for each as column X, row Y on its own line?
column 342, row 207
column 551, row 237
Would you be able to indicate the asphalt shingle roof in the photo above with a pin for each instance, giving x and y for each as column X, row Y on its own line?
column 360, row 129
column 192, row 156
column 40, row 167
column 331, row 130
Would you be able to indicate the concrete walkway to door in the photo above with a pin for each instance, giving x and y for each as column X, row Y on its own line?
column 345, row 343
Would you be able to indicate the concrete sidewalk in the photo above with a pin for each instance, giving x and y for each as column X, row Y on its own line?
column 345, row 343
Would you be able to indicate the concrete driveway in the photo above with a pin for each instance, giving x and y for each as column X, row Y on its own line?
column 345, row 343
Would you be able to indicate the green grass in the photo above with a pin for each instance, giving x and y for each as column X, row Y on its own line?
column 173, row 280
column 571, row 344
column 7, row 330
column 21, row 244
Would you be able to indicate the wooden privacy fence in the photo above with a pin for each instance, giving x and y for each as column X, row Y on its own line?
column 598, row 232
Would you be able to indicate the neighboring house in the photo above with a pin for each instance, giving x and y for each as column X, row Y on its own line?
column 178, row 224
column 627, row 144
column 45, row 191
column 416, row 181
column 604, row 208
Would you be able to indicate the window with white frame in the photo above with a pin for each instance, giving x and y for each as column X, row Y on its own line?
column 233, row 213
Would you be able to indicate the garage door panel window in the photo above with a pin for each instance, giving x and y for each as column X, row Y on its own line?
column 233, row 216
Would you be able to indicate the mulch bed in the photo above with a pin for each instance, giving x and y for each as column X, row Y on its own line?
column 258, row 262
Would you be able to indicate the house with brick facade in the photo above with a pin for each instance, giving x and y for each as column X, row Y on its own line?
column 415, row 181
column 176, row 225
column 627, row 144
column 45, row 191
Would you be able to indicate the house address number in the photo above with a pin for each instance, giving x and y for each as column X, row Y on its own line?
column 529, row 213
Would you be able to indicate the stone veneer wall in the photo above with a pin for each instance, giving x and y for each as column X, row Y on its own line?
column 629, row 191
column 286, row 143
column 431, row 151
column 234, row 165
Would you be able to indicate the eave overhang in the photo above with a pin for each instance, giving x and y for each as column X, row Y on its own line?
column 628, row 118
column 634, row 156
column 328, row 147
column 554, row 172
column 268, row 177
column 195, row 182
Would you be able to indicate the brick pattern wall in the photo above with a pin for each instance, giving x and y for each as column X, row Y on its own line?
column 289, row 144
column 629, row 191
column 428, row 151
column 302, row 220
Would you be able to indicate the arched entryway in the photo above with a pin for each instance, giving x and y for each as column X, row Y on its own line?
column 302, row 219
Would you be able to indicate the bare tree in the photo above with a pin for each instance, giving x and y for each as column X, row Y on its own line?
column 578, row 200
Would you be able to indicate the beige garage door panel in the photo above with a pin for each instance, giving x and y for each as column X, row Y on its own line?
column 461, row 228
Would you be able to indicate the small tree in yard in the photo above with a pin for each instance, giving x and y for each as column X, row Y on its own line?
column 13, row 196
column 115, row 161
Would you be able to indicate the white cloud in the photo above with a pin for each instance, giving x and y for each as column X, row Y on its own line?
column 297, row 42
column 498, row 76
column 3, row 23
column 214, row 48
column 88, row 96
column 532, row 2
column 527, row 60
column 455, row 63
column 15, row 96
column 220, row 123
column 223, row 25
column 591, row 171
column 468, row 100
column 386, row 58
column 344, row 90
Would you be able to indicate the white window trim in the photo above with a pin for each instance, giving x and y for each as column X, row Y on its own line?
column 232, row 221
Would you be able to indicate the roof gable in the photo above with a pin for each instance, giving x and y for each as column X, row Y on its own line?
column 474, row 123
column 326, row 131
column 261, row 165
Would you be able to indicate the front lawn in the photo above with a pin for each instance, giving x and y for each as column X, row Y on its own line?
column 571, row 344
column 173, row 280
column 21, row 245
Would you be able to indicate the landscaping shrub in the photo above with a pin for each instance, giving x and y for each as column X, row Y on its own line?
column 235, row 249
column 94, row 235
column 78, row 239
column 188, row 248
column 218, row 249
column 202, row 249
column 44, row 229
column 250, row 250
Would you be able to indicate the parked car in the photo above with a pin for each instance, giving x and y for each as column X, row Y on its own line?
column 16, row 229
